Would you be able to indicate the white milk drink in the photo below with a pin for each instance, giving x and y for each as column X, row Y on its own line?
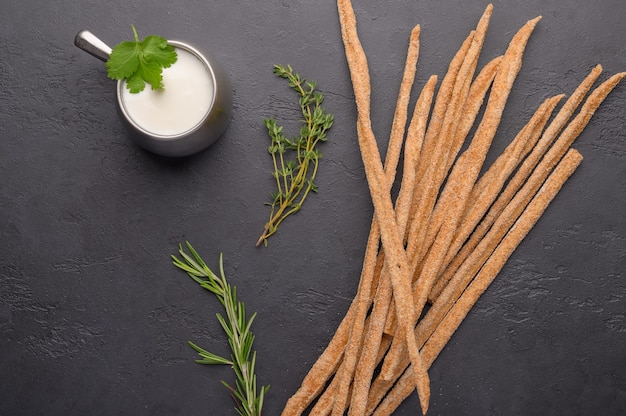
column 181, row 105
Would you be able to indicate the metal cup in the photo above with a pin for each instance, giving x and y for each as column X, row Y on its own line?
column 199, row 137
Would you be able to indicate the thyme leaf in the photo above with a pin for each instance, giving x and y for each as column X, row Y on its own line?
column 295, row 161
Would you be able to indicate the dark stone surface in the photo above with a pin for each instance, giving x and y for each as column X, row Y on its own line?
column 94, row 319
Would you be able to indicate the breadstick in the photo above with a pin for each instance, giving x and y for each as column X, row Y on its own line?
column 540, row 172
column 470, row 163
column 330, row 360
column 462, row 178
column 451, row 293
column 413, row 150
column 353, row 346
column 496, row 261
column 368, row 359
column 432, row 149
column 471, row 108
column 475, row 98
column 398, row 125
column 324, row 404
column 442, row 100
column 546, row 140
column 512, row 157
column 570, row 133
column 430, row 175
column 406, row 194
column 487, row 274
column 459, row 281
column 435, row 174
column 400, row 280
column 430, row 170
column 551, row 157
column 383, row 207
column 364, row 299
column 490, row 185
column 395, row 143
column 460, row 248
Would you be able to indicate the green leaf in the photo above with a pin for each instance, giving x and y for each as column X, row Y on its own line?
column 135, row 83
column 156, row 49
column 208, row 357
column 123, row 61
column 141, row 62
column 236, row 326
column 291, row 176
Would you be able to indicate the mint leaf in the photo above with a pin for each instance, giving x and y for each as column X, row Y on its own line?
column 141, row 62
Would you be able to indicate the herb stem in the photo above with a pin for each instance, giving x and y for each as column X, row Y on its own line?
column 295, row 178
column 278, row 185
column 237, row 328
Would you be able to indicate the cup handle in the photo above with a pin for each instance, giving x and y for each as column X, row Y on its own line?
column 88, row 42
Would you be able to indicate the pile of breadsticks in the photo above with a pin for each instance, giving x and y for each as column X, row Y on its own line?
column 432, row 254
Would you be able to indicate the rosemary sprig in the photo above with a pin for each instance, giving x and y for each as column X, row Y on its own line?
column 295, row 174
column 237, row 328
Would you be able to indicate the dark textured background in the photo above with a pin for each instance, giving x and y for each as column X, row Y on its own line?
column 94, row 319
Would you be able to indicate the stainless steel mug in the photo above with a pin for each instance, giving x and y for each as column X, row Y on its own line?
column 184, row 143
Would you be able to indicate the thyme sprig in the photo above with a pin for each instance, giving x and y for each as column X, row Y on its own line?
column 249, row 401
column 295, row 161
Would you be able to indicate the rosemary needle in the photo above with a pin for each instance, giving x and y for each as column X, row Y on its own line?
column 249, row 401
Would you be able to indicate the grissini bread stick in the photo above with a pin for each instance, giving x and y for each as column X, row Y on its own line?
column 506, row 161
column 461, row 246
column 481, row 253
column 432, row 162
column 413, row 145
column 321, row 371
column 499, row 172
column 462, row 178
column 430, row 141
column 551, row 157
column 471, row 108
column 364, row 298
column 477, row 93
column 434, row 174
column 391, row 162
column 416, row 133
column 400, row 117
column 444, row 95
column 383, row 207
column 471, row 254
column 413, row 151
column 370, row 351
column 529, row 186
column 490, row 185
column 486, row 275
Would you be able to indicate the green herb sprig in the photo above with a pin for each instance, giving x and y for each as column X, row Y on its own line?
column 140, row 62
column 249, row 401
column 296, row 160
